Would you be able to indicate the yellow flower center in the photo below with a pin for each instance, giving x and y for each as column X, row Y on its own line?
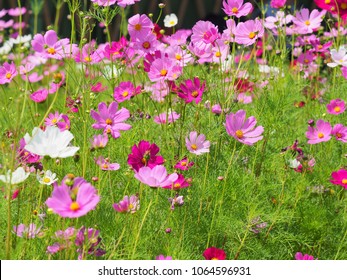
column 338, row 135
column 8, row 75
column 46, row 180
column 74, row 206
column 105, row 166
column 214, row 259
column 172, row 22
column 54, row 121
column 87, row 59
column 344, row 181
column 239, row 134
column 178, row 56
column 251, row 35
column 218, row 54
column 138, row 27
column 327, row 1
column 51, row 51
column 235, row 10
column 163, row 72
column 194, row 147
column 320, row 47
column 146, row 45
column 108, row 121
column 320, row 135
column 108, row 131
column 125, row 93
column 307, row 22
column 144, row 161
column 183, row 163
column 195, row 93
column 131, row 206
column 337, row 109
column 177, row 186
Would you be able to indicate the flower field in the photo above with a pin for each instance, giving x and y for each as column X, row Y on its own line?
column 215, row 142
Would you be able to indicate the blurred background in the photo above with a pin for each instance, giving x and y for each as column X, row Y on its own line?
column 55, row 13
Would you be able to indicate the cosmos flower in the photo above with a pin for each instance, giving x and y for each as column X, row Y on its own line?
column 170, row 20
column 322, row 132
column 155, row 177
column 168, row 117
column 29, row 232
column 16, row 177
column 128, row 204
column 301, row 257
column 184, row 164
column 192, row 90
column 7, row 73
column 197, row 144
column 163, row 258
column 52, row 142
column 246, row 33
column 339, row 57
column 105, row 164
column 178, row 184
column 47, row 178
column 242, row 129
column 74, row 201
column 99, row 141
column 237, row 8
column 336, row 107
column 340, row 132
column 214, row 253
column 339, row 178
column 306, row 22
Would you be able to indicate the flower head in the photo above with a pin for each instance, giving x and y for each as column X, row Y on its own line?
column 128, row 204
column 155, row 177
column 336, row 107
column 214, row 253
column 197, row 144
column 322, row 132
column 184, row 164
column 163, row 258
column 237, row 8
column 242, row 129
column 301, row 257
column 48, row 178
column 339, row 178
column 340, row 132
column 192, row 90
column 16, row 177
column 170, row 20
column 105, row 164
column 99, row 141
column 29, row 232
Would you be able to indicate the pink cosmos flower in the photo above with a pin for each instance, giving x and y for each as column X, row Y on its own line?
column 228, row 33
column 125, row 90
column 277, row 4
column 128, row 204
column 322, row 132
column 87, row 242
column 214, row 253
column 336, row 107
column 155, row 177
column 75, row 201
column 48, row 46
column 39, row 95
column 99, row 141
column 98, row 87
column 196, row 144
column 7, row 73
column 60, row 120
column 165, row 118
column 192, row 90
column 163, row 69
column 124, row 3
column 144, row 154
column 139, row 25
column 27, row 232
column 110, row 119
column 15, row 12
column 163, row 258
column 301, row 257
column 237, row 8
column 204, row 34
column 248, row 32
column 178, row 184
column 89, row 54
column 105, row 164
column 340, row 132
column 339, row 178
column 307, row 23
column 242, row 129
column 104, row 3
column 25, row 156
column 184, row 164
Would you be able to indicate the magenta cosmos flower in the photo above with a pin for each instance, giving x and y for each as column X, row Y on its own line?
column 155, row 177
column 339, row 178
column 299, row 256
column 246, row 33
column 192, row 90
column 277, row 3
column 110, row 119
column 237, row 8
column 128, row 204
column 74, row 201
column 7, row 73
column 214, row 253
column 144, row 154
column 197, row 144
column 39, row 95
column 163, row 258
column 178, row 184
column 322, row 132
column 242, row 129
column 340, row 132
column 336, row 107
column 184, row 164
column 125, row 90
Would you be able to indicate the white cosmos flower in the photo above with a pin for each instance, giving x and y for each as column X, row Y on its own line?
column 48, row 178
column 16, row 177
column 170, row 20
column 52, row 142
column 339, row 57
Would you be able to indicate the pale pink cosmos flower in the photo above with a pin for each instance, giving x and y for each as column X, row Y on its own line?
column 105, row 164
column 29, row 232
column 7, row 73
column 237, row 8
column 39, row 95
column 99, row 141
column 166, row 117
column 242, row 129
column 32, row 78
column 138, row 25
column 75, row 201
column 336, row 107
column 163, row 258
column 155, row 177
column 110, row 119
column 340, row 132
column 124, row 3
column 125, row 90
column 164, row 69
column 248, row 32
column 339, row 57
column 277, row 21
column 197, row 144
column 229, row 32
column 204, row 34
column 89, row 54
column 322, row 132
column 128, row 204
column 104, row 3
column 15, row 12
column 306, row 22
